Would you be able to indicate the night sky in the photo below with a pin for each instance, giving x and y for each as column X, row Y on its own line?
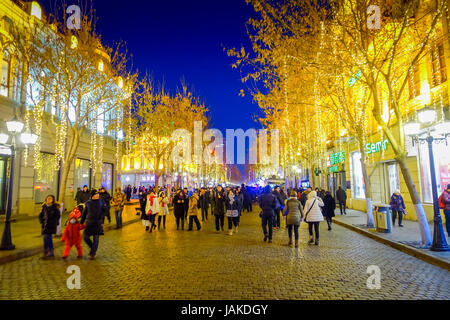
column 175, row 39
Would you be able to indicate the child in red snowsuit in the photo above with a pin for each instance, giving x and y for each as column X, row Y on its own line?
column 72, row 235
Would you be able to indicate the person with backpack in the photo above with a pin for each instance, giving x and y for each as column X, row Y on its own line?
column 444, row 203
column 397, row 207
column 313, row 215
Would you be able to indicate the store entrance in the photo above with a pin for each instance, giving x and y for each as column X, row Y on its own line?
column 336, row 180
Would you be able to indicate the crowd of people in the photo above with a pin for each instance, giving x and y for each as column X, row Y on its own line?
column 224, row 204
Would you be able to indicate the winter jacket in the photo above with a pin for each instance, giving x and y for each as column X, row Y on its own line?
column 49, row 218
column 232, row 203
column 204, row 200
column 164, row 205
column 312, row 208
column 193, row 205
column 304, row 197
column 71, row 235
column 446, row 200
column 240, row 200
column 294, row 212
column 341, row 195
column 397, row 203
column 152, row 206
column 279, row 199
column 178, row 205
column 328, row 206
column 219, row 203
column 118, row 201
column 106, row 197
column 82, row 197
column 93, row 214
column 268, row 204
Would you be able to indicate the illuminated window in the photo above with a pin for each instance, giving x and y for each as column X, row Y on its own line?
column 414, row 82
column 100, row 65
column 358, row 189
column 4, row 75
column 438, row 68
column 36, row 10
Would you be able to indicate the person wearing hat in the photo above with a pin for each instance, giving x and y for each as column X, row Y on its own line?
column 71, row 235
column 93, row 214
column 445, row 199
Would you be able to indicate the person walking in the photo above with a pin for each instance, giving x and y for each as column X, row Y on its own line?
column 143, row 203
column 280, row 206
column 128, row 191
column 294, row 215
column 118, row 203
column 106, row 198
column 72, row 236
column 178, row 208
column 240, row 199
column 232, row 206
column 268, row 204
column 219, row 208
column 204, row 203
column 49, row 219
column 397, row 207
column 93, row 215
column 82, row 195
column 445, row 199
column 193, row 211
column 313, row 215
column 328, row 208
column 341, row 197
column 152, row 209
column 164, row 202
column 304, row 196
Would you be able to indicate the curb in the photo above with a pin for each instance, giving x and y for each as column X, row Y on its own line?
column 56, row 244
column 399, row 246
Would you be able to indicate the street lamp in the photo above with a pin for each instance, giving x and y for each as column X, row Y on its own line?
column 14, row 127
column 427, row 116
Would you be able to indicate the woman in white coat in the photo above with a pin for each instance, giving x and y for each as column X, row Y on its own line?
column 164, row 202
column 152, row 209
column 313, row 215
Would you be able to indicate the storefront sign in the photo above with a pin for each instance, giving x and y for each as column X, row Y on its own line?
column 333, row 169
column 376, row 147
column 337, row 157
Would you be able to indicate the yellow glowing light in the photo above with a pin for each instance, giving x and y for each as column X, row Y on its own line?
column 74, row 42
column 120, row 82
column 36, row 10
column 160, row 166
column 137, row 163
column 100, row 65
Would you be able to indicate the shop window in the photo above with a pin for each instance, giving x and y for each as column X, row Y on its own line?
column 414, row 82
column 358, row 188
column 441, row 153
column 438, row 68
column 46, row 179
column 5, row 74
column 82, row 174
column 107, row 175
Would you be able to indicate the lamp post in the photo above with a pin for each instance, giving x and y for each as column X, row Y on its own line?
column 426, row 116
column 14, row 128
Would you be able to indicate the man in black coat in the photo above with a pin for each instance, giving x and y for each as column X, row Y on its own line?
column 179, row 201
column 328, row 208
column 49, row 219
column 93, row 214
column 341, row 197
column 280, row 206
column 268, row 203
column 219, row 207
column 82, row 195
column 204, row 203
column 106, row 198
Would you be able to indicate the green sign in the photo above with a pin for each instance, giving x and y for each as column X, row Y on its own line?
column 376, row 147
column 353, row 79
column 333, row 169
column 337, row 157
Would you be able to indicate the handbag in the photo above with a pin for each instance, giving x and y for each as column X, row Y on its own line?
column 306, row 215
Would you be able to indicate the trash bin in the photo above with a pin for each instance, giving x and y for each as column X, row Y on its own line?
column 383, row 217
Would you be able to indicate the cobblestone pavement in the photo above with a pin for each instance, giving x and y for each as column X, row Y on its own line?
column 174, row 264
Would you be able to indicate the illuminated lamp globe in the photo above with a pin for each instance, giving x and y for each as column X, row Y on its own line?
column 29, row 138
column 442, row 128
column 14, row 126
column 426, row 115
column 3, row 138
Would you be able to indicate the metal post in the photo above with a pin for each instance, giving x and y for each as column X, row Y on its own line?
column 439, row 241
column 6, row 238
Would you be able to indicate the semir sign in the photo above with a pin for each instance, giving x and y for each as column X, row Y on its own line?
column 376, row 147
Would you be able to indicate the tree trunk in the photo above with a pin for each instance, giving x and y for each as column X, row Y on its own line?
column 418, row 207
column 368, row 187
